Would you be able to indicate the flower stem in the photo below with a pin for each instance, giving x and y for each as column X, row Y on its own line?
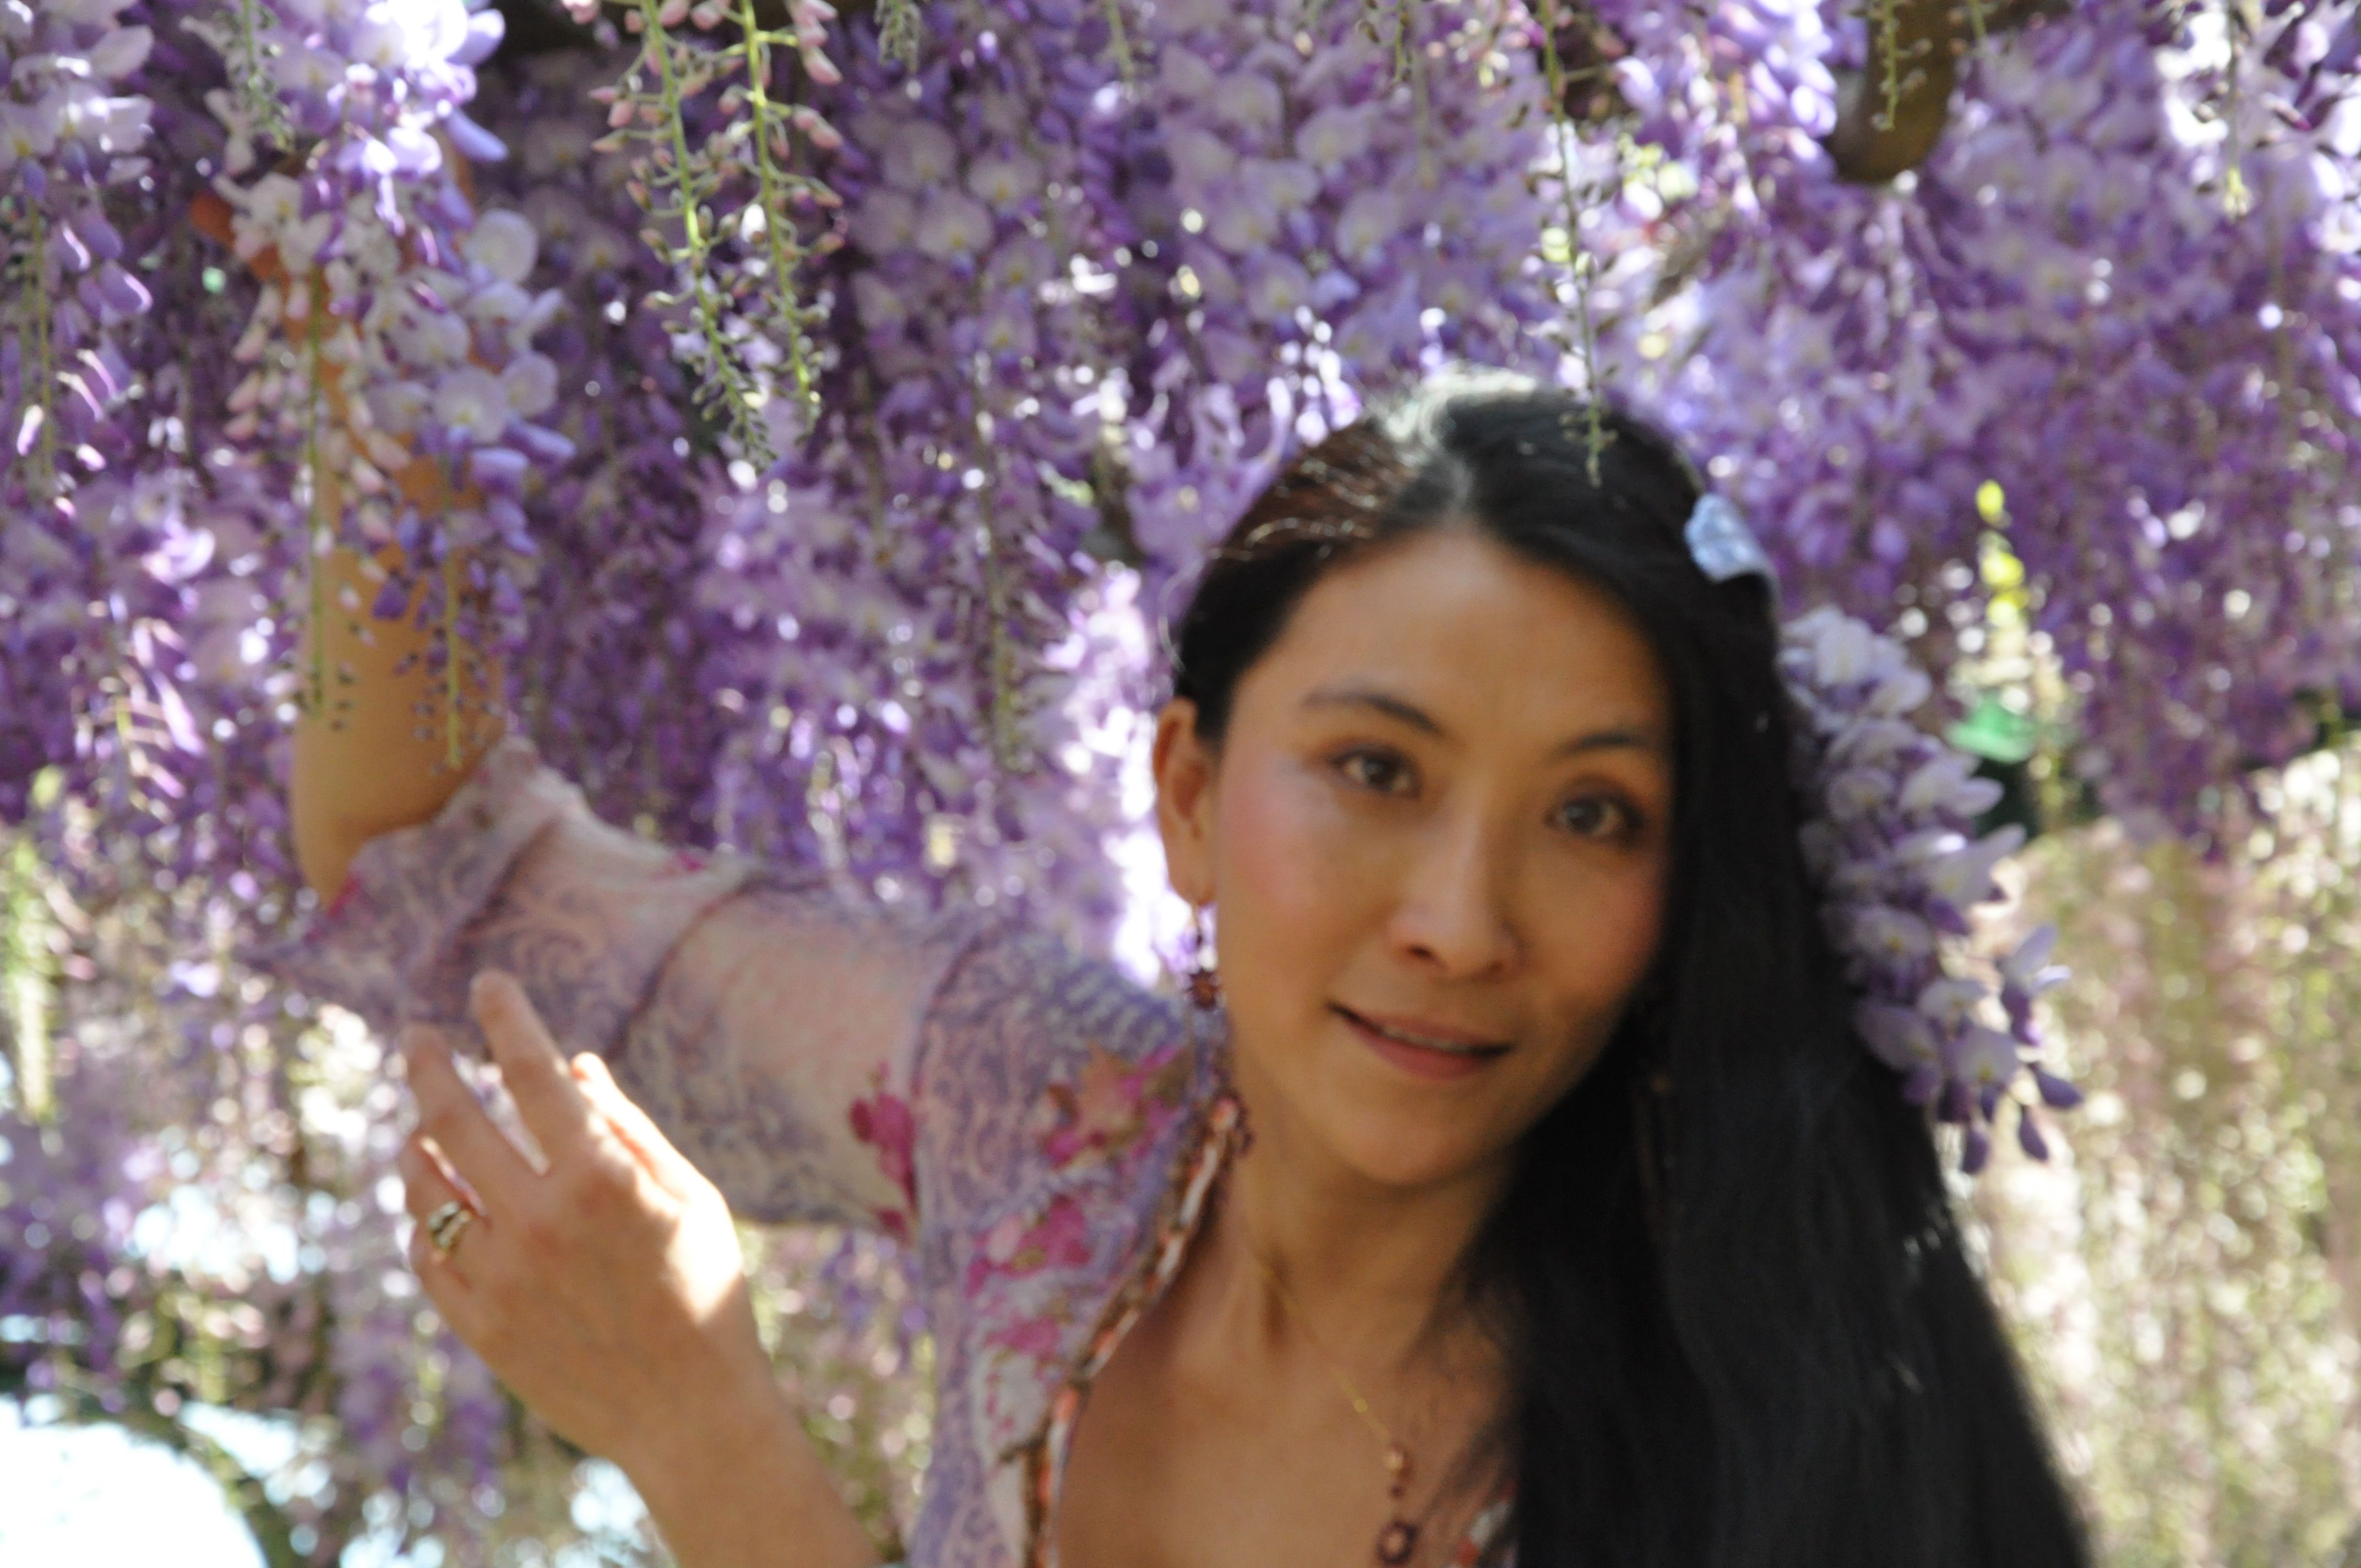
column 778, row 236
column 258, row 99
column 1886, row 25
column 315, row 586
column 39, row 385
column 1408, row 62
column 697, row 245
column 27, row 975
column 1582, row 264
column 1000, row 654
column 900, row 31
column 2237, row 200
column 1119, row 42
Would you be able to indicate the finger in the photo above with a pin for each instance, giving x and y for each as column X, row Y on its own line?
column 551, row 1104
column 425, row 1188
column 448, row 1112
column 633, row 1127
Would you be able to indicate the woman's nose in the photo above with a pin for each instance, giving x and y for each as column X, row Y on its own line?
column 1453, row 910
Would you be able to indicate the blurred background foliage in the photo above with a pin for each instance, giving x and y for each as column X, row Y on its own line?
column 2186, row 1283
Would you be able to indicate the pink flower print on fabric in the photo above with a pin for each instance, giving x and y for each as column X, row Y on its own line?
column 1058, row 1237
column 1034, row 1337
column 1112, row 1104
column 884, row 1122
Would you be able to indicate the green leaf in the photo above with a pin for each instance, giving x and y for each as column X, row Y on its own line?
column 1995, row 731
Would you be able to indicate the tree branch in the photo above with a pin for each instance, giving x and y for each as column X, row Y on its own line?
column 1915, row 45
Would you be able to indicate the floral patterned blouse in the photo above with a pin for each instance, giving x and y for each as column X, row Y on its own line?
column 1040, row 1131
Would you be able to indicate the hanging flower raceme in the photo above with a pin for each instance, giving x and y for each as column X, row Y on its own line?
column 920, row 556
column 72, row 140
column 732, row 202
column 613, row 677
column 2186, row 505
column 71, row 135
column 392, row 336
column 1893, row 843
column 1315, row 204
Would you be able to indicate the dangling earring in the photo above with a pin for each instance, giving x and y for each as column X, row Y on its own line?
column 1204, row 982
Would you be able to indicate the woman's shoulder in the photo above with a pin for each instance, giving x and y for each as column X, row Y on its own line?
column 1041, row 1066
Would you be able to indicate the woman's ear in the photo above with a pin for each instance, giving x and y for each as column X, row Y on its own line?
column 1184, row 769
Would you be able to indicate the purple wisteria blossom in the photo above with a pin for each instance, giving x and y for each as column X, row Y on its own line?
column 2060, row 335
column 1310, row 220
column 392, row 326
column 901, row 584
column 73, row 140
column 1893, row 844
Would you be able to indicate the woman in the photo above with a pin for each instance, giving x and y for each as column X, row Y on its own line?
column 1517, row 1189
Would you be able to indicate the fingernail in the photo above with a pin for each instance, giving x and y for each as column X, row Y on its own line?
column 417, row 1040
column 481, row 986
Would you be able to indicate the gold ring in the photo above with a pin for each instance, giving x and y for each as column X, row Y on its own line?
column 445, row 1225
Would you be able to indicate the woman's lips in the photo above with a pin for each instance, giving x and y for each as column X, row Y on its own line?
column 1431, row 1062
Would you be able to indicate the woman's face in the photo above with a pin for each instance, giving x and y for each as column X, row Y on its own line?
column 1436, row 839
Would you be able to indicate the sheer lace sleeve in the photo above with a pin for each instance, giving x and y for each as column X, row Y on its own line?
column 766, row 1021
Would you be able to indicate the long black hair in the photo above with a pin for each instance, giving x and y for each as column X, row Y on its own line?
column 1743, row 1324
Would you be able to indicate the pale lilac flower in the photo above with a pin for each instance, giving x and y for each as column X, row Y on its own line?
column 1368, row 220
column 1334, row 134
column 1964, row 877
column 471, row 401
column 28, row 131
column 503, row 244
column 1004, row 181
column 884, row 221
column 1889, row 843
column 953, row 226
column 529, row 385
column 1249, row 101
column 120, row 52
column 919, row 155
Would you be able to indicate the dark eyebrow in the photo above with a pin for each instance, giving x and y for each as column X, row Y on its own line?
column 1417, row 717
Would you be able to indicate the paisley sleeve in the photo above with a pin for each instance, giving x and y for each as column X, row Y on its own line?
column 767, row 1021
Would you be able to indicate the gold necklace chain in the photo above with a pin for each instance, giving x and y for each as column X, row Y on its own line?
column 1352, row 1393
column 1398, row 1542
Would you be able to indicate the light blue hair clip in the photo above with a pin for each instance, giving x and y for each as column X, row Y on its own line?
column 1724, row 547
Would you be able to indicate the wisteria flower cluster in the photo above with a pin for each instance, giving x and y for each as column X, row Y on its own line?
column 905, row 579
column 614, row 671
column 73, row 132
column 70, row 134
column 1316, row 204
column 1893, row 843
column 729, row 205
column 391, row 329
column 2068, row 248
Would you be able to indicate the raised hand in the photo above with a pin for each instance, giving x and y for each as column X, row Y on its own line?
column 603, row 1284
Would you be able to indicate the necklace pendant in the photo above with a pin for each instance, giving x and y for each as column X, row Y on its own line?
column 1396, row 1472
column 1398, row 1542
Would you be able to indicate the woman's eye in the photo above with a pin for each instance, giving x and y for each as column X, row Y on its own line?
column 1599, row 816
column 1375, row 771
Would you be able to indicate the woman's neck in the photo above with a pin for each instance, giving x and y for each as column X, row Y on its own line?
column 1304, row 1245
